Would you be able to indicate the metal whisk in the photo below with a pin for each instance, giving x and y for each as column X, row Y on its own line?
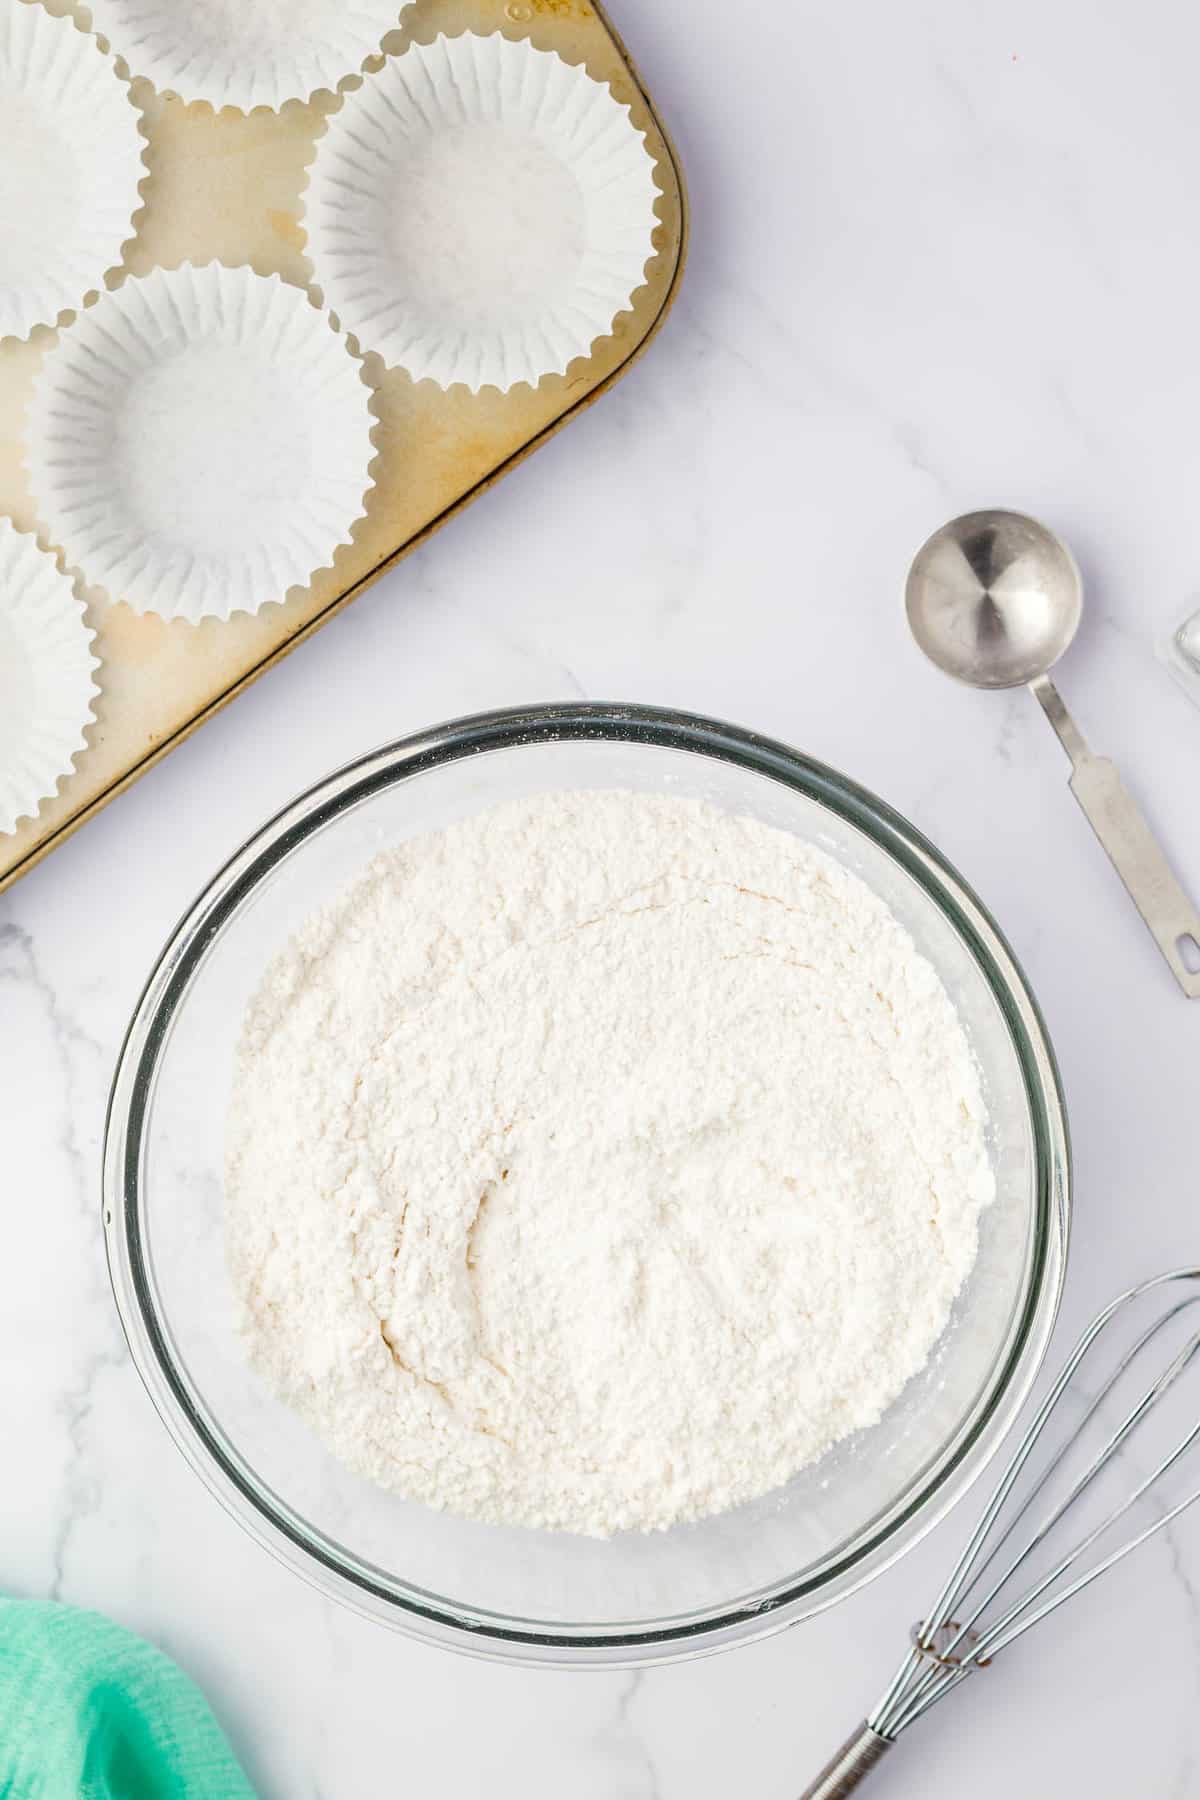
column 998, row 1588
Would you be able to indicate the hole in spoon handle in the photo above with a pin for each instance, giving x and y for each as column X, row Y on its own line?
column 1139, row 860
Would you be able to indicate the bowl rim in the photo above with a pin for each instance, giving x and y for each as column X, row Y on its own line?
column 359, row 1584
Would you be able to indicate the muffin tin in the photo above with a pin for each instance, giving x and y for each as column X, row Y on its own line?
column 231, row 187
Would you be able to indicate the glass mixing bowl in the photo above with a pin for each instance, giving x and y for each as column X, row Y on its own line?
column 543, row 1597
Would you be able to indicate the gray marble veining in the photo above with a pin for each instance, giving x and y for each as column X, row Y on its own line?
column 943, row 258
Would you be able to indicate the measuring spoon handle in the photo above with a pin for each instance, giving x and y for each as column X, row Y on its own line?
column 1131, row 846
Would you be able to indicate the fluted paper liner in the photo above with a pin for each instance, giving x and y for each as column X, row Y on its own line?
column 46, row 685
column 253, row 53
column 199, row 442
column 70, row 163
column 480, row 211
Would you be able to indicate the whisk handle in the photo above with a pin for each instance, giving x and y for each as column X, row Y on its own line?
column 856, row 1758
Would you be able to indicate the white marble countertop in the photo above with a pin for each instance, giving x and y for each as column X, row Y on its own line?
column 943, row 257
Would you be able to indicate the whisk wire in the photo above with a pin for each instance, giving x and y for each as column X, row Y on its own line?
column 883, row 1720
column 949, row 1645
column 1115, row 1443
column 994, row 1641
column 1089, row 1413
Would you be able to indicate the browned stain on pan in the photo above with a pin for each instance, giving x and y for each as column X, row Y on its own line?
column 227, row 186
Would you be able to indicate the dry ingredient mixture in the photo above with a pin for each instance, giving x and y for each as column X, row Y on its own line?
column 599, row 1162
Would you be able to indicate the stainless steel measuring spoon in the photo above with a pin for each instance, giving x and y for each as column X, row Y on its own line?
column 994, row 599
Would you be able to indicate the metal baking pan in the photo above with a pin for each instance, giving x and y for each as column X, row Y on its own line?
column 225, row 186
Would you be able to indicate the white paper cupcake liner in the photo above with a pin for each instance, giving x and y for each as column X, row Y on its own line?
column 200, row 441
column 70, row 163
column 46, row 685
column 248, row 54
column 479, row 211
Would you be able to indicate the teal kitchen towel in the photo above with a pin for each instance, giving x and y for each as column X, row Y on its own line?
column 90, row 1712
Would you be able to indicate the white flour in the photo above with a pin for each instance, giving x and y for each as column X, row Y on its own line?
column 598, row 1163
